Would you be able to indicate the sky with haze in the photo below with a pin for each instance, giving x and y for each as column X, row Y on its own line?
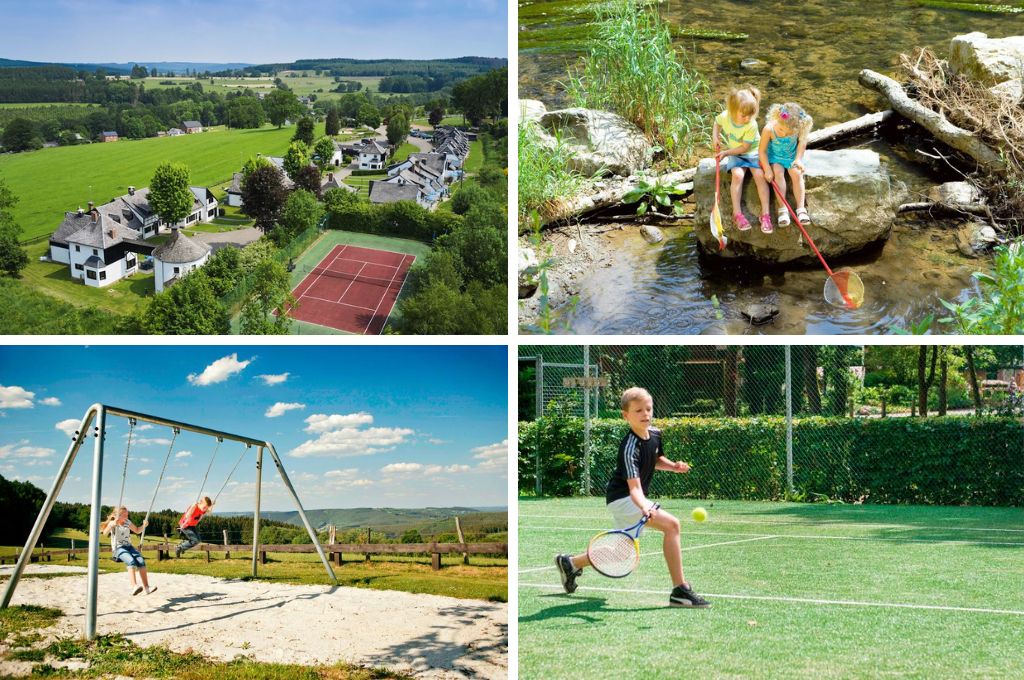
column 251, row 31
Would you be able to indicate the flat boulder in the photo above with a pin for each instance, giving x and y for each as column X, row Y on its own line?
column 531, row 110
column 596, row 142
column 851, row 198
column 989, row 61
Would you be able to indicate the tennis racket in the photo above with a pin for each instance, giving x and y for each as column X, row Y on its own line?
column 616, row 553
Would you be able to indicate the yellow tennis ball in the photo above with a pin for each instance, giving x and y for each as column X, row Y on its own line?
column 699, row 514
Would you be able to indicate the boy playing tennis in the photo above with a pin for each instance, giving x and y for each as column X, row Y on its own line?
column 640, row 454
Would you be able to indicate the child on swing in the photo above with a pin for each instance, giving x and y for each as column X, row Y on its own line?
column 188, row 523
column 781, row 151
column 120, row 529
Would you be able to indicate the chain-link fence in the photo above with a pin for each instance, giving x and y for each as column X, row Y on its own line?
column 882, row 424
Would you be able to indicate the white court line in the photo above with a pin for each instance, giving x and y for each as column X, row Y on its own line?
column 837, row 522
column 798, row 600
column 334, row 302
column 812, row 537
column 374, row 315
column 658, row 552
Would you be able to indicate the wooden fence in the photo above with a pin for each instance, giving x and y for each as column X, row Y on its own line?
column 333, row 550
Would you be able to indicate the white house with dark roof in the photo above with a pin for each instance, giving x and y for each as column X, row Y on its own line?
column 103, row 250
column 192, row 126
column 176, row 257
column 234, row 192
column 372, row 155
column 175, row 132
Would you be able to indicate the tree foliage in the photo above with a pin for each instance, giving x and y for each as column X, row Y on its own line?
column 189, row 307
column 323, row 151
column 20, row 135
column 263, row 194
column 332, row 123
column 281, row 105
column 304, row 130
column 169, row 193
column 296, row 158
column 398, row 129
column 264, row 313
column 12, row 256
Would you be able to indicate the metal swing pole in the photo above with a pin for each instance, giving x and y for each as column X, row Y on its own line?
column 256, row 513
column 302, row 513
column 51, row 498
column 94, row 523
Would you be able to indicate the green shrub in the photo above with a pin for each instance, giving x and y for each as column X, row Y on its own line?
column 950, row 460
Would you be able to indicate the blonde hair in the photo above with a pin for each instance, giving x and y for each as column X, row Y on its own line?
column 792, row 115
column 633, row 394
column 745, row 100
column 112, row 518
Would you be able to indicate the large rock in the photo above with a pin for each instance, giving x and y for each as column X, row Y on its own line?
column 528, row 270
column 850, row 196
column 531, row 110
column 989, row 61
column 596, row 141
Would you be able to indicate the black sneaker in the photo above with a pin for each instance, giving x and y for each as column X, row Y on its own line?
column 568, row 572
column 682, row 596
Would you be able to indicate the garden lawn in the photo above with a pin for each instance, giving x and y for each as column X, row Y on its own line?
column 362, row 182
column 797, row 591
column 475, row 159
column 447, row 120
column 49, row 182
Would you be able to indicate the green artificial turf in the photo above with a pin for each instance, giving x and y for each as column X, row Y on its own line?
column 822, row 591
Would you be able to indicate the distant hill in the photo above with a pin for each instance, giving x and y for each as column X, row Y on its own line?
column 467, row 66
column 394, row 521
column 111, row 69
column 126, row 68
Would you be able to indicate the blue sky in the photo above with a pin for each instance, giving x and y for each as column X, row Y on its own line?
column 355, row 426
column 252, row 31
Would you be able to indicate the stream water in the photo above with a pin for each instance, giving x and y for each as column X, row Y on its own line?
column 814, row 50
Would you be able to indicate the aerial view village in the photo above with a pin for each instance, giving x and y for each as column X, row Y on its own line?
column 317, row 196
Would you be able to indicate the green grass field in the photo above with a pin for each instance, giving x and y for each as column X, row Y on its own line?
column 48, row 182
column 447, row 120
column 475, row 159
column 798, row 591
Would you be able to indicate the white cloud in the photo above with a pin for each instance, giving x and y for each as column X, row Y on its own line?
column 271, row 380
column 23, row 450
column 50, row 401
column 280, row 408
column 492, row 456
column 153, row 441
column 68, row 427
column 143, row 427
column 347, row 477
column 401, row 468
column 15, row 397
column 319, row 422
column 438, row 442
column 143, row 473
column 352, row 441
column 219, row 371
column 182, row 454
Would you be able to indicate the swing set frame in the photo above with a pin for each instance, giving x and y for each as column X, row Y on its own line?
column 96, row 419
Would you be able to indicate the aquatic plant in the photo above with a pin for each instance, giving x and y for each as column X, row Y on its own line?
column 708, row 34
column 999, row 307
column 633, row 69
column 985, row 7
column 650, row 196
column 545, row 178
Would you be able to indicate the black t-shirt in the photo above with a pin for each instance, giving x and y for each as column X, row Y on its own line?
column 636, row 460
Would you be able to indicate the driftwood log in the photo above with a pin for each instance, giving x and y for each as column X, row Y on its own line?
column 955, row 137
column 611, row 191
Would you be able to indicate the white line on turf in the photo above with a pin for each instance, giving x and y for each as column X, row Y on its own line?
column 813, row 537
column 658, row 552
column 836, row 522
column 798, row 600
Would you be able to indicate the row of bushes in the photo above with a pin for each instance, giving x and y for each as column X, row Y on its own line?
column 404, row 219
column 237, row 296
column 943, row 461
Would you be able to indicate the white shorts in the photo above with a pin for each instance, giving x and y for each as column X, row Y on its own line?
column 624, row 513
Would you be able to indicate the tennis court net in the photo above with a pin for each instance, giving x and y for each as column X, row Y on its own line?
column 394, row 281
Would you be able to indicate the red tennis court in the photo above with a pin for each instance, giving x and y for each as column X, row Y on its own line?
column 352, row 289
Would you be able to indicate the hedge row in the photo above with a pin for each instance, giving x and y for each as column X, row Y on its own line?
column 944, row 461
column 404, row 219
column 235, row 298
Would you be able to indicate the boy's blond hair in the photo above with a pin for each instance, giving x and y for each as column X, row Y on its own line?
column 744, row 100
column 632, row 394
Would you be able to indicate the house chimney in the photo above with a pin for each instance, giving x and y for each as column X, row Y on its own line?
column 131, row 191
column 330, row 177
column 110, row 233
column 95, row 214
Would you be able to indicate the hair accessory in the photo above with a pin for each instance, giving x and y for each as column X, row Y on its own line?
column 783, row 115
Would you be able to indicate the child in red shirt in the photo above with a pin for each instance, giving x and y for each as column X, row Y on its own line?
column 188, row 523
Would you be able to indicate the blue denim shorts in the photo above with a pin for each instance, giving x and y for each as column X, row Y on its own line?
column 730, row 162
column 131, row 557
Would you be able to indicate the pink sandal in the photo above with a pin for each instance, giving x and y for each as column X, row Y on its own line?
column 741, row 222
column 766, row 224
